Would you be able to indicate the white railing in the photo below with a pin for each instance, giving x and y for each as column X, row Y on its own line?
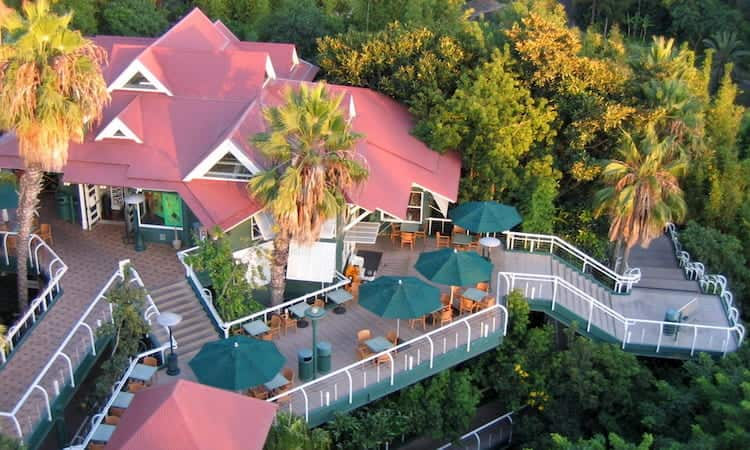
column 628, row 331
column 96, row 420
column 619, row 283
column 58, row 379
column 492, row 441
column 43, row 260
column 339, row 282
column 384, row 366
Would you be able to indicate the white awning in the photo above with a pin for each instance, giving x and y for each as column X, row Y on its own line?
column 363, row 233
column 316, row 262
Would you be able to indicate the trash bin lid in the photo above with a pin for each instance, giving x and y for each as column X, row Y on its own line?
column 305, row 353
column 324, row 347
column 672, row 315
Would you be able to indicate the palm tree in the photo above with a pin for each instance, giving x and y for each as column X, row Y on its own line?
column 310, row 146
column 643, row 193
column 51, row 87
column 727, row 49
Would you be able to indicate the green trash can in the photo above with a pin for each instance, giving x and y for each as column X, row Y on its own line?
column 305, row 364
column 324, row 357
column 64, row 205
column 673, row 316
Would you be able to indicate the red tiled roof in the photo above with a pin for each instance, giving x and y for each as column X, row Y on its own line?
column 190, row 416
column 219, row 88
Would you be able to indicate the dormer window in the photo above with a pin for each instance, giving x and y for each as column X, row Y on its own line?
column 137, row 77
column 117, row 129
column 229, row 167
column 138, row 81
column 227, row 162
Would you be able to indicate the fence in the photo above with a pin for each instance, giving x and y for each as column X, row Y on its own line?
column 628, row 331
column 43, row 261
column 225, row 327
column 496, row 432
column 618, row 283
column 419, row 353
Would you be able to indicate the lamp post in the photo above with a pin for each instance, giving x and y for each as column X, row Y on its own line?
column 135, row 200
column 315, row 313
column 170, row 319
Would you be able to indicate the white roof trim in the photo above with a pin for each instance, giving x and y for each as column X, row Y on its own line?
column 270, row 71
column 134, row 68
column 113, row 127
column 295, row 58
column 209, row 161
column 352, row 109
column 433, row 192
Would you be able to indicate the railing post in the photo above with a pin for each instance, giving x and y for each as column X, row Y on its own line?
column 432, row 350
column 661, row 333
column 695, row 336
column 625, row 334
column 554, row 292
column 591, row 315
column 468, row 335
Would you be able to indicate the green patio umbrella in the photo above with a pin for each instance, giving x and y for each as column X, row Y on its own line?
column 485, row 217
column 399, row 298
column 237, row 363
column 454, row 268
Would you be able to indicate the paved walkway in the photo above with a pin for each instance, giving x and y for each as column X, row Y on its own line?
column 92, row 257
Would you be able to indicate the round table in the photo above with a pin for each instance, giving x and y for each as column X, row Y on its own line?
column 488, row 243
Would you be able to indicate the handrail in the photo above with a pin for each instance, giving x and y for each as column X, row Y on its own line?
column 628, row 323
column 623, row 283
column 97, row 419
column 226, row 326
column 60, row 352
column 41, row 303
column 462, row 322
column 475, row 432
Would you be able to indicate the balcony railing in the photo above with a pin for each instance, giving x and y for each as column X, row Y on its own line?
column 344, row 388
column 42, row 260
column 618, row 283
column 493, row 434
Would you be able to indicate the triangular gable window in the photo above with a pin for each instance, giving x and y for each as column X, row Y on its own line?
column 229, row 167
column 117, row 130
column 138, row 81
column 137, row 77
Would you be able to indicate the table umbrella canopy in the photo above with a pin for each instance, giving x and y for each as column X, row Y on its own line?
column 237, row 363
column 485, row 217
column 399, row 297
column 454, row 268
column 190, row 416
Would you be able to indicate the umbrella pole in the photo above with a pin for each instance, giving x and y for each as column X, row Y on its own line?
column 398, row 329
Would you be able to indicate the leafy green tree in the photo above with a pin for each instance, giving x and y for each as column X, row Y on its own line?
column 232, row 290
column 134, row 18
column 728, row 49
column 538, row 208
column 290, row 432
column 694, row 20
column 599, row 442
column 495, row 122
column 243, row 17
column 84, row 14
column 309, row 144
column 300, row 22
column 9, row 443
column 375, row 15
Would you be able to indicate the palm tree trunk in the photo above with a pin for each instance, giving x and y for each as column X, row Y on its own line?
column 617, row 261
column 625, row 257
column 30, row 186
column 278, row 266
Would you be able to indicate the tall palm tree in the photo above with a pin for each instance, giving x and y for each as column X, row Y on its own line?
column 313, row 164
column 727, row 49
column 51, row 87
column 643, row 193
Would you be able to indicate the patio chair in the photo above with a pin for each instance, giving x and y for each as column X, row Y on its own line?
column 407, row 239
column 458, row 230
column 117, row 412
column 446, row 316
column 442, row 241
column 266, row 337
column 288, row 373
column 134, row 387
column 320, row 303
column 421, row 233
column 288, row 321
column 474, row 245
column 363, row 335
column 112, row 420
column 150, row 361
column 237, row 331
column 418, row 321
column 95, row 446
column 391, row 336
column 275, row 326
column 258, row 392
column 363, row 351
column 483, row 286
column 465, row 305
column 45, row 232
column 395, row 232
column 484, row 304
column 445, row 299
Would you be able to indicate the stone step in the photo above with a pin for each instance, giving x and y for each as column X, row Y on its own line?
column 168, row 287
column 667, row 273
column 669, row 285
column 182, row 291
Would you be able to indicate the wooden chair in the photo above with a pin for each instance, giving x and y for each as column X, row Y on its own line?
column 445, row 299
column 458, row 230
column 407, row 239
column 483, row 286
column 363, row 351
column 45, row 232
column 112, row 420
column 275, row 326
column 473, row 245
column 320, row 303
column 134, row 387
column 150, row 361
column 288, row 373
column 442, row 241
column 117, row 412
column 466, row 305
column 258, row 392
column 446, row 316
column 391, row 336
column 288, row 321
column 266, row 337
column 395, row 232
column 237, row 331
column 95, row 446
column 363, row 335
column 418, row 321
column 420, row 234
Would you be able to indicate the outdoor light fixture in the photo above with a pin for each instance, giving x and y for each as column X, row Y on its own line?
column 135, row 200
column 169, row 320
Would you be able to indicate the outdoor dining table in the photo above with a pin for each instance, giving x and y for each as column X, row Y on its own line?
column 256, row 327
column 378, row 344
column 278, row 381
column 339, row 297
column 103, row 433
column 474, row 294
column 123, row 400
column 142, row 372
column 299, row 312
column 410, row 227
column 462, row 239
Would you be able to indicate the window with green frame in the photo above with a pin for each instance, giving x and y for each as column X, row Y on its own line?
column 162, row 209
